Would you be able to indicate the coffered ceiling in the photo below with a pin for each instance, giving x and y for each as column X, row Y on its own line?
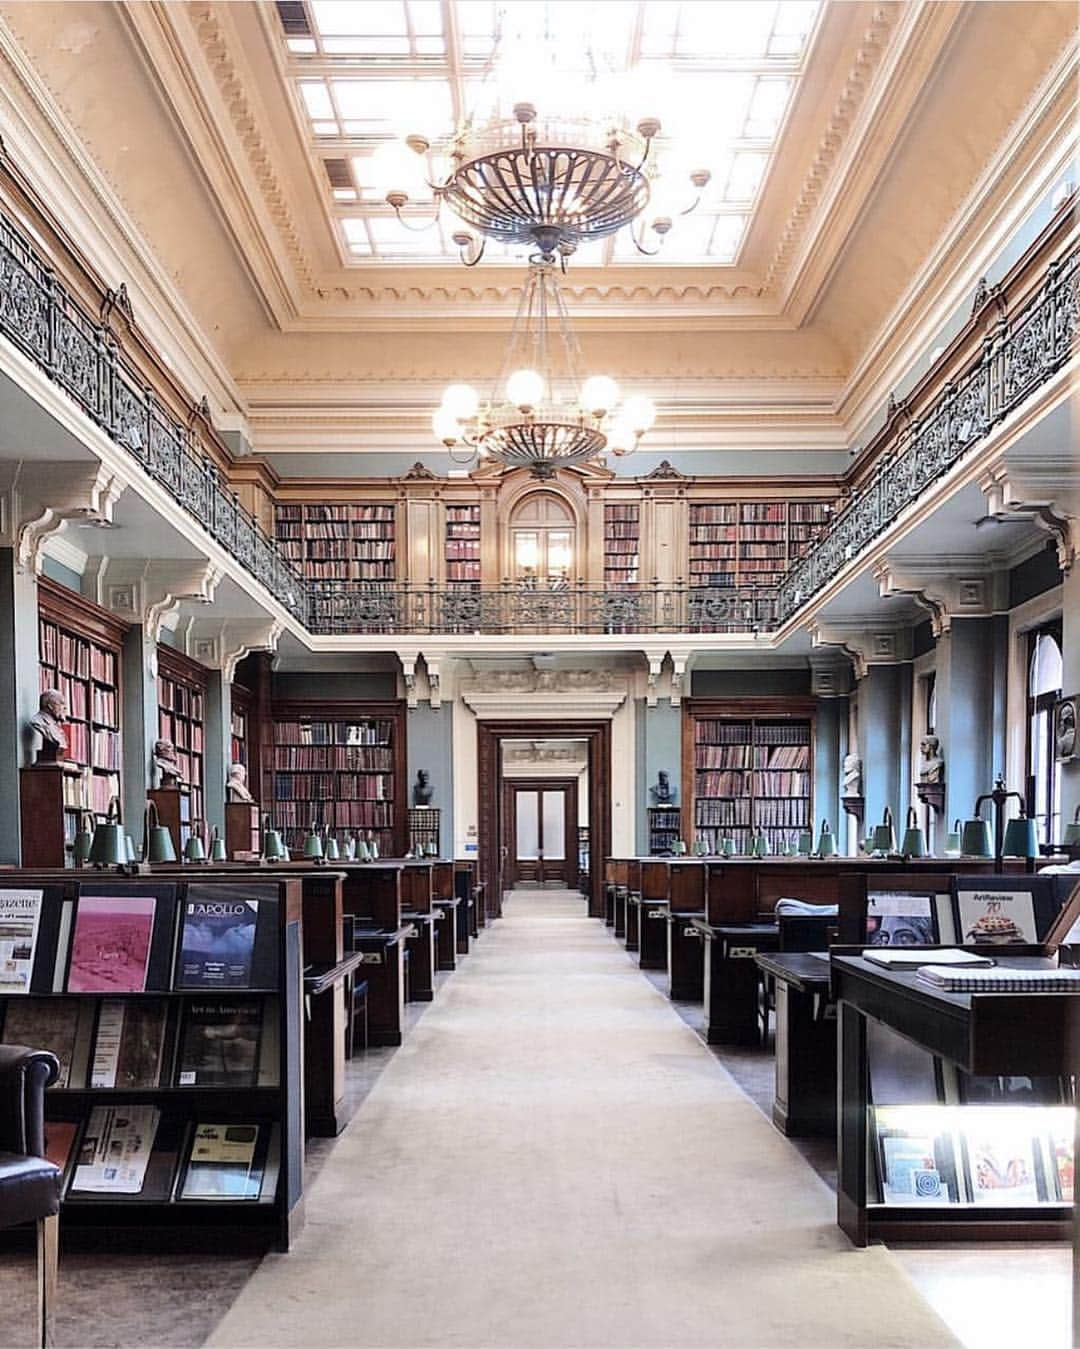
column 866, row 158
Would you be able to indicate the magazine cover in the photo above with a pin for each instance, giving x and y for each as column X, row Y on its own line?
column 224, row 1163
column 45, row 1023
column 1002, row 1162
column 220, row 1043
column 20, row 913
column 894, row 919
column 217, row 941
column 1061, row 1147
column 996, row 916
column 115, row 1149
column 111, row 946
column 911, row 1174
column 128, row 1044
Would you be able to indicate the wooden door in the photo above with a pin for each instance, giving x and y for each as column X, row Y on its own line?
column 541, row 830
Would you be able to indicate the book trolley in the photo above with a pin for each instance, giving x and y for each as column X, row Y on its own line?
column 180, row 1100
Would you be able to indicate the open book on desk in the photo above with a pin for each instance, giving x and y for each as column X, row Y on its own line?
column 911, row 957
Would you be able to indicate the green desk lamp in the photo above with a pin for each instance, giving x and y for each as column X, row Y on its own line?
column 273, row 847
column 333, row 850
column 157, row 841
column 953, row 842
column 109, row 846
column 826, row 844
column 1021, row 838
column 84, row 839
column 313, row 848
column 217, row 846
column 977, row 830
column 805, row 845
column 195, row 848
column 350, row 847
column 914, row 841
column 727, row 847
column 759, row 844
column 883, row 839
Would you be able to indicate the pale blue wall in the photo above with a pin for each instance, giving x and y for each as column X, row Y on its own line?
column 140, row 723
column 659, row 744
column 885, row 741
column 829, row 750
column 970, row 683
column 428, row 740
column 19, row 690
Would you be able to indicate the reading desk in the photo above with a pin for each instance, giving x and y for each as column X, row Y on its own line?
column 805, row 1097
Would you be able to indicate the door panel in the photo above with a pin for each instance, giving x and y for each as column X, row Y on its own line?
column 553, row 820
column 541, row 829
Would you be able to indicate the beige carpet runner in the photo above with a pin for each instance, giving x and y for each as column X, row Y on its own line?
column 554, row 1160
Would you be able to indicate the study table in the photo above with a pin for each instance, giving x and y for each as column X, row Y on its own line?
column 732, row 979
column 988, row 1034
column 446, row 948
column 804, row 1102
column 685, row 957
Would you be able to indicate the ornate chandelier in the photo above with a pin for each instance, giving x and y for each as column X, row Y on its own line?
column 576, row 165
column 538, row 415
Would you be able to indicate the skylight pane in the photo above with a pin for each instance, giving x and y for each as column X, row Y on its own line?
column 303, row 46
column 426, row 16
column 325, row 128
column 794, row 19
column 731, row 29
column 392, row 238
column 366, row 45
column 316, row 99
column 476, row 24
column 351, row 18
column 747, row 169
column 658, row 32
column 403, row 104
column 356, row 235
column 767, row 108
column 726, row 237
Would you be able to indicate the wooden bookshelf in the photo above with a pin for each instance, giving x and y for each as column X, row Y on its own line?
column 79, row 647
column 748, row 765
column 622, row 543
column 423, row 827
column 239, row 725
column 268, row 1093
column 665, row 829
column 342, row 541
column 748, row 543
column 181, row 688
column 462, row 546
column 341, row 765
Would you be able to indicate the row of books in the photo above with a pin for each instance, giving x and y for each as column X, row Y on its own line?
column 145, row 1044
column 993, row 1157
column 621, row 547
column 323, row 514
column 789, row 783
column 784, row 812
column 770, row 552
column 349, row 571
column 462, row 549
column 763, row 511
column 335, row 814
column 135, row 1152
column 624, row 512
column 356, row 758
column 91, row 791
column 727, row 782
column 708, row 731
column 74, row 692
column 621, row 575
column 751, row 756
column 179, row 698
column 137, row 943
column 106, row 750
column 70, row 654
column 726, row 514
column 718, row 814
column 332, row 786
column 377, row 732
column 106, row 706
column 463, row 571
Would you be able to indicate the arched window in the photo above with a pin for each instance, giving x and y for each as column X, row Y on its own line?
column 1043, row 773
column 542, row 538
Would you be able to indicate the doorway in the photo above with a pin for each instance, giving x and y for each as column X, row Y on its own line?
column 540, row 816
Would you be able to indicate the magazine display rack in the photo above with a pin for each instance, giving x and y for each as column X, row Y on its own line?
column 175, row 1006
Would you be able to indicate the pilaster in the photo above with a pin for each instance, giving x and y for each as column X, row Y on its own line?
column 19, row 688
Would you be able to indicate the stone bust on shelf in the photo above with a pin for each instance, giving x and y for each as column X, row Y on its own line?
column 236, row 788
column 422, row 791
column 165, row 762
column 931, row 761
column 852, row 775
column 48, row 724
column 663, row 793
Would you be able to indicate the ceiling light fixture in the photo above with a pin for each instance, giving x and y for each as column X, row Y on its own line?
column 539, row 415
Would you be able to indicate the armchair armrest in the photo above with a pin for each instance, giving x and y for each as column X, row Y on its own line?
column 24, row 1075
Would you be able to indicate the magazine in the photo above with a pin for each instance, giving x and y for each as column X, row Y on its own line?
column 996, row 916
column 911, row 1174
column 20, row 914
column 1061, row 1147
column 116, row 1149
column 225, row 1162
column 220, row 1043
column 110, row 950
column 217, row 941
column 895, row 919
column 45, row 1023
column 129, row 1043
column 1002, row 1161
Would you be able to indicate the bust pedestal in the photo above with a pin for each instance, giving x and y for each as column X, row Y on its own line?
column 243, row 836
column 48, row 795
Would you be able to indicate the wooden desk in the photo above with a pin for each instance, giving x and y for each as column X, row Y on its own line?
column 384, row 969
column 447, row 933
column 1023, row 1034
column 805, row 1097
column 732, row 980
column 685, row 958
column 652, row 932
column 422, row 955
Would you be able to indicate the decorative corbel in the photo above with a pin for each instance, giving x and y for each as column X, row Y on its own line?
column 864, row 643
column 1047, row 493
column 939, row 587
column 830, row 674
column 223, row 644
column 678, row 675
column 150, row 592
column 43, row 496
column 434, row 682
column 656, row 664
column 408, row 674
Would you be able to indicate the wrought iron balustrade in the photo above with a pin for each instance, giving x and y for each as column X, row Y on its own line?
column 1020, row 353
column 504, row 610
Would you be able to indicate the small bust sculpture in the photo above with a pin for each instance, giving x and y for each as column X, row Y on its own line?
column 422, row 791
column 931, row 762
column 852, row 775
column 663, row 793
column 236, row 788
column 48, row 724
column 165, row 762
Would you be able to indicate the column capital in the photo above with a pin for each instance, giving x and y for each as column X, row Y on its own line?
column 830, row 673
column 153, row 590
column 223, row 643
column 1046, row 492
column 945, row 587
column 39, row 497
column 865, row 642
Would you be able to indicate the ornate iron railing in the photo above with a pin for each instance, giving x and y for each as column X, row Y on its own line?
column 1020, row 353
column 535, row 610
column 41, row 318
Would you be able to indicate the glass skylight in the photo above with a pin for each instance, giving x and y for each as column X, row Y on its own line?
column 720, row 74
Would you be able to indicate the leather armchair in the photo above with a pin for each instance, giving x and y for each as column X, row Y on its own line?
column 30, row 1185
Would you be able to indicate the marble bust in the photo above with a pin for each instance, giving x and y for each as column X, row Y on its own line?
column 931, row 761
column 422, row 791
column 852, row 775
column 166, row 763
column 236, row 788
column 663, row 793
column 48, row 724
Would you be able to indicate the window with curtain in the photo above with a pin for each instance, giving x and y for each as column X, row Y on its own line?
column 1044, row 690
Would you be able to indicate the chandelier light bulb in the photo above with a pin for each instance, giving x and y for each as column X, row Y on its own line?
column 620, row 439
column 461, row 401
column 639, row 413
column 446, row 426
column 396, row 173
column 525, row 388
column 599, row 394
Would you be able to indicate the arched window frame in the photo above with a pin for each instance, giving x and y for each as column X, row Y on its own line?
column 1043, row 773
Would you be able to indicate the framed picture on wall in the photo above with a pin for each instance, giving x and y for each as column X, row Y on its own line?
column 1066, row 740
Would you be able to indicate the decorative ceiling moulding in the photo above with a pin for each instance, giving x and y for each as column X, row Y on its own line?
column 43, row 141
column 545, row 694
